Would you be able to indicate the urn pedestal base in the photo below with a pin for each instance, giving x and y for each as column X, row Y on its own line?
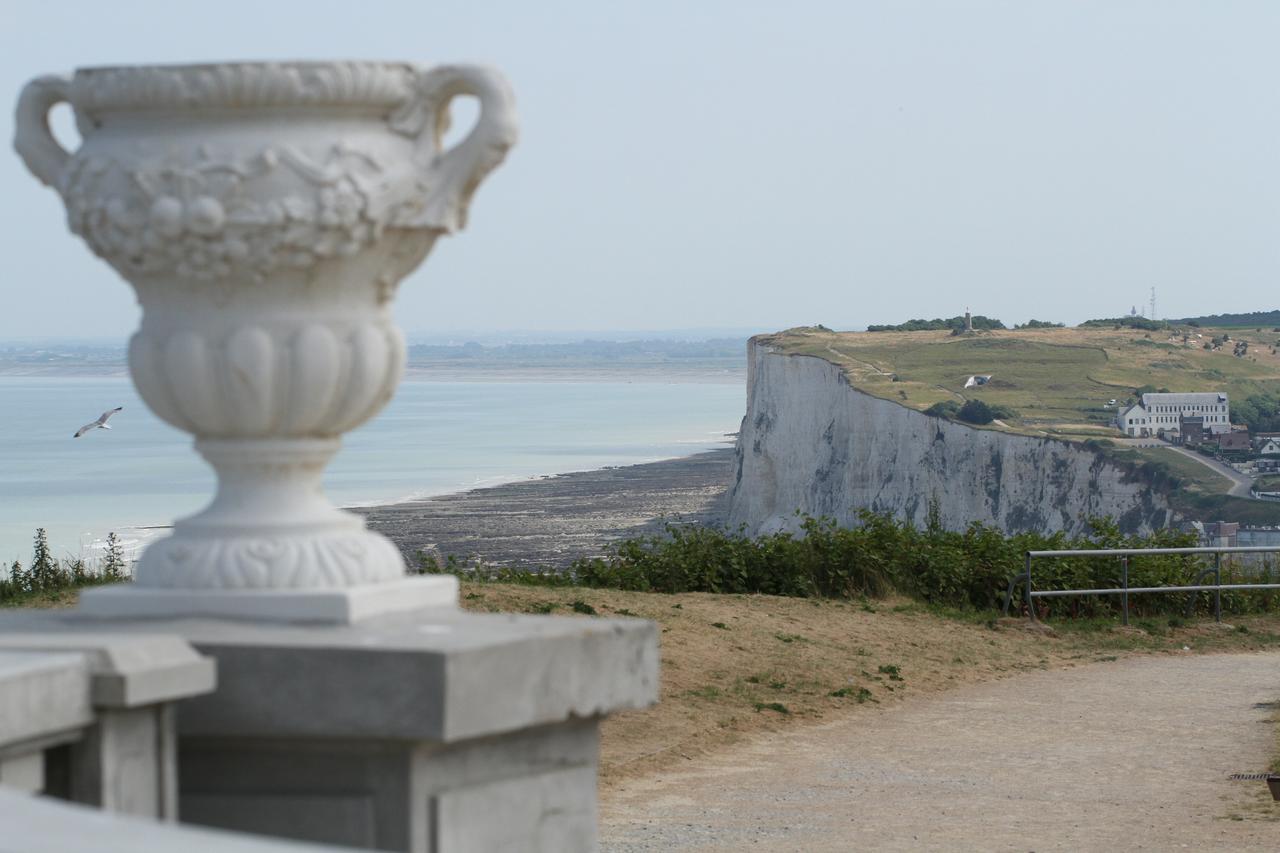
column 433, row 731
column 341, row 606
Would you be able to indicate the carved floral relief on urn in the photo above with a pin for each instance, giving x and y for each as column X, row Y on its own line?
column 264, row 214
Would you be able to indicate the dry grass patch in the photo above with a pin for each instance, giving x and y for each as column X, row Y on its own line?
column 739, row 664
column 60, row 598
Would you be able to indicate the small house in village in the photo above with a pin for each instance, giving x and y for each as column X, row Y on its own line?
column 1214, row 534
column 1267, row 444
column 1234, row 441
column 1162, row 413
column 1191, row 430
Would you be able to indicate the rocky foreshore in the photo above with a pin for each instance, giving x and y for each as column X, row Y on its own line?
column 550, row 522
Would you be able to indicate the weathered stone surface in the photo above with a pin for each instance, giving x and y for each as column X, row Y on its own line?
column 812, row 442
column 438, row 674
column 389, row 796
column 129, row 670
column 42, row 695
column 121, row 754
column 395, row 733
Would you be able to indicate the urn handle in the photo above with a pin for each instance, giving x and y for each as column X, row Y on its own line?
column 454, row 174
column 32, row 138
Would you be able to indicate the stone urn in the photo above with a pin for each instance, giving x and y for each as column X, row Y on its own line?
column 264, row 214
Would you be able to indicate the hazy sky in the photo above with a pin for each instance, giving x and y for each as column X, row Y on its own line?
column 762, row 165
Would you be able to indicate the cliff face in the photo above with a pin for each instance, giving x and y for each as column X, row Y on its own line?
column 810, row 441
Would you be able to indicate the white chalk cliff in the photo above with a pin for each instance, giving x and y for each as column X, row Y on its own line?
column 813, row 442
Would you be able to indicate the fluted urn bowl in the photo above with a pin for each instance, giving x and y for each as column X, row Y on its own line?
column 264, row 214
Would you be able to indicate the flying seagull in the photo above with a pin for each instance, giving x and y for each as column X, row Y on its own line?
column 977, row 380
column 100, row 423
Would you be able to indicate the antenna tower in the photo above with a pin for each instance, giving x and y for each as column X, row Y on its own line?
column 1153, row 302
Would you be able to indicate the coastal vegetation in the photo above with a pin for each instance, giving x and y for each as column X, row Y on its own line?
column 968, row 570
column 49, row 581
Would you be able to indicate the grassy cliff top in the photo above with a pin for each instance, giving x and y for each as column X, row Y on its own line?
column 1059, row 381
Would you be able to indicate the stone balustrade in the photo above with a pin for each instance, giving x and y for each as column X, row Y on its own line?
column 88, row 717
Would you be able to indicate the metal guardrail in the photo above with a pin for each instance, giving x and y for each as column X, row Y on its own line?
column 1124, row 590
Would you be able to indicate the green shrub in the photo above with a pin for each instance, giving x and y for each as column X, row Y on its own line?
column 976, row 412
column 47, row 574
column 969, row 569
column 772, row 706
column 943, row 409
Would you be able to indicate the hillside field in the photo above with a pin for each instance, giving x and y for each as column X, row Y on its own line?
column 1059, row 381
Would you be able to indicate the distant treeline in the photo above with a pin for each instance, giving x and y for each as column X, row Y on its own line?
column 732, row 348
column 954, row 324
column 1128, row 322
column 1256, row 319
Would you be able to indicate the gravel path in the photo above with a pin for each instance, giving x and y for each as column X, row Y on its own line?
column 1129, row 755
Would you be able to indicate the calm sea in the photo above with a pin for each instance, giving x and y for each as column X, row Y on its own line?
column 434, row 438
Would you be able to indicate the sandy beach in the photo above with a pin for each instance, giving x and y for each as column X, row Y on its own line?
column 551, row 521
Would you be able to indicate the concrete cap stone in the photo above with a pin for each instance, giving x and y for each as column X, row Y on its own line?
column 128, row 669
column 42, row 695
column 436, row 675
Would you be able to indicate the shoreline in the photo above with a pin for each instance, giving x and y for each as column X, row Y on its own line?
column 543, row 520
column 552, row 520
column 607, row 419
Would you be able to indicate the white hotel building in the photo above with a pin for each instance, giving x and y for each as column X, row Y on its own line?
column 1156, row 413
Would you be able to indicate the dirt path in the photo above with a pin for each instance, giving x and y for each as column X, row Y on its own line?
column 1129, row 755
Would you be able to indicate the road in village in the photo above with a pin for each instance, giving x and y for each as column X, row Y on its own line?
column 1240, row 483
